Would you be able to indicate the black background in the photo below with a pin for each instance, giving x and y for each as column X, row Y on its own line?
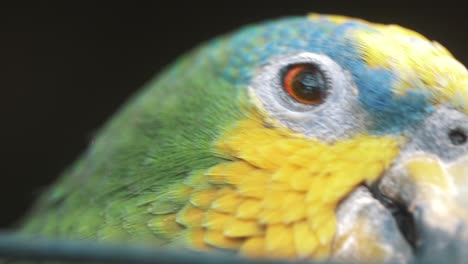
column 64, row 68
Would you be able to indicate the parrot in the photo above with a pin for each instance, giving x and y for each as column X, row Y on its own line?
column 314, row 137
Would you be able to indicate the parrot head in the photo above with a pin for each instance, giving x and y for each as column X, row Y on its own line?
column 300, row 138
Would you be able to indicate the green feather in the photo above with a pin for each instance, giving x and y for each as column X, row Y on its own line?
column 162, row 135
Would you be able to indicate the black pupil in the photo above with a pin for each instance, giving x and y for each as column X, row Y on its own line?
column 310, row 84
column 457, row 137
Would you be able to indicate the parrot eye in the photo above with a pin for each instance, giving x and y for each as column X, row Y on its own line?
column 305, row 83
column 309, row 93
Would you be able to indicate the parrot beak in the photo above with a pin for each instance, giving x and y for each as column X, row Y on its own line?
column 418, row 209
column 435, row 193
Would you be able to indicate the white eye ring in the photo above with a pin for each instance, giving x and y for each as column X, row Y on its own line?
column 338, row 116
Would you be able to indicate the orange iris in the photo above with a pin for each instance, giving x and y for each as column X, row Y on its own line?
column 305, row 83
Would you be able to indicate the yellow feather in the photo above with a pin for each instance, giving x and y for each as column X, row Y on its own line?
column 271, row 216
column 252, row 191
column 203, row 199
column 283, row 174
column 305, row 240
column 190, row 216
column 226, row 203
column 217, row 239
column 295, row 213
column 216, row 221
column 193, row 238
column 254, row 247
column 242, row 228
column 249, row 209
column 279, row 241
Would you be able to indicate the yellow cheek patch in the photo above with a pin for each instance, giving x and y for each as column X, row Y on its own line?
column 278, row 195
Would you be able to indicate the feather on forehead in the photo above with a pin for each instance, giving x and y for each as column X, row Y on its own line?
column 422, row 65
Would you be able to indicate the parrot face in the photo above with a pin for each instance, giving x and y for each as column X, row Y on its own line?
column 302, row 138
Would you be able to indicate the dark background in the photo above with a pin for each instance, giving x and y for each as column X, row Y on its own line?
column 65, row 68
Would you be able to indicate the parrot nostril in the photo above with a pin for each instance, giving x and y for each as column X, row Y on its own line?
column 457, row 136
